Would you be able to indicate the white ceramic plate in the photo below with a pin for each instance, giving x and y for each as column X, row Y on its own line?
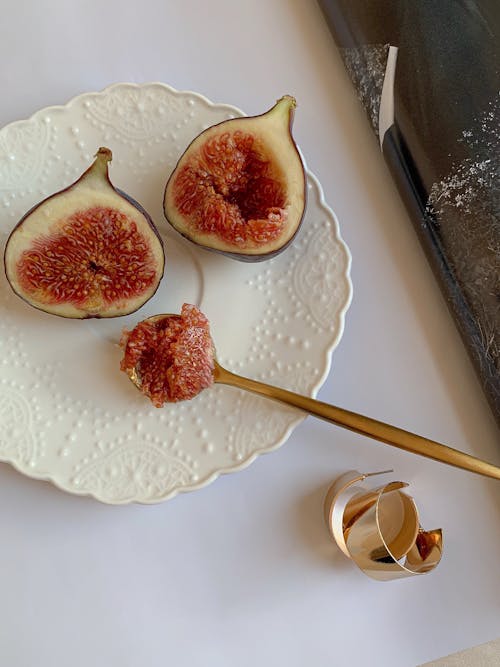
column 67, row 414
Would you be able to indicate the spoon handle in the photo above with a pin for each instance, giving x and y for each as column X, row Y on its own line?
column 391, row 435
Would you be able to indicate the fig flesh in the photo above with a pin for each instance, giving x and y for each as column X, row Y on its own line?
column 170, row 358
column 240, row 186
column 87, row 251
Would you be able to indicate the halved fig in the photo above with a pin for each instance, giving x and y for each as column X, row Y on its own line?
column 240, row 186
column 87, row 251
column 170, row 358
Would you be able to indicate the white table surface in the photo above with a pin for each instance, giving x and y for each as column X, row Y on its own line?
column 242, row 572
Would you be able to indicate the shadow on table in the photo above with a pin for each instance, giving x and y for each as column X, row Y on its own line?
column 313, row 531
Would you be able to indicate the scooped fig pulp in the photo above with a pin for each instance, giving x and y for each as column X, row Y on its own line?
column 240, row 186
column 86, row 251
column 170, row 358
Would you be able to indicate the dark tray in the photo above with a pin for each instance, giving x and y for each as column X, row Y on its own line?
column 428, row 75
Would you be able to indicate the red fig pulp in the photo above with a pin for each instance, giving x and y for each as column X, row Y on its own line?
column 87, row 251
column 170, row 357
column 239, row 188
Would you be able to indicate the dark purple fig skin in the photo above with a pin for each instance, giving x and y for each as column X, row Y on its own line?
column 119, row 193
column 241, row 257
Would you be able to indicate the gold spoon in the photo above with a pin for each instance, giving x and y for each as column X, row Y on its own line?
column 391, row 435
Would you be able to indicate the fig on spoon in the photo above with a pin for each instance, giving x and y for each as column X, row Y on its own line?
column 89, row 250
column 171, row 358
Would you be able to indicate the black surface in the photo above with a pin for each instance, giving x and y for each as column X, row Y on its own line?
column 444, row 147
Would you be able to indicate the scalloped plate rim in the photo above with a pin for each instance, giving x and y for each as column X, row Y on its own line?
column 341, row 315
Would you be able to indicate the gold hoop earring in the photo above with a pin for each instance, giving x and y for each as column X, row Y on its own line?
column 379, row 528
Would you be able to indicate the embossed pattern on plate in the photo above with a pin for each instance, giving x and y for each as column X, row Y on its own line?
column 66, row 412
